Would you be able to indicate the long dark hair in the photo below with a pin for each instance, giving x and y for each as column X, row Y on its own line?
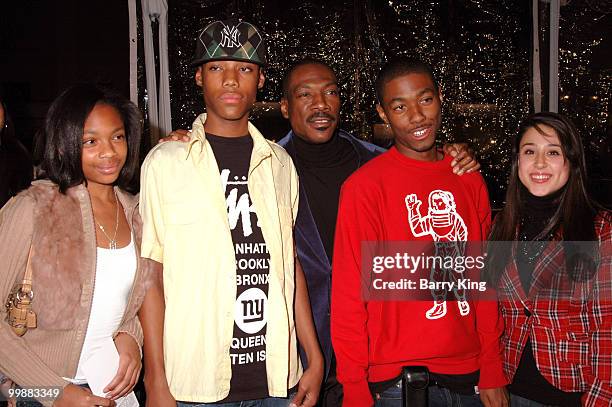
column 59, row 145
column 575, row 215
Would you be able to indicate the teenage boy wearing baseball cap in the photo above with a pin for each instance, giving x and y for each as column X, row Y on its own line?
column 218, row 214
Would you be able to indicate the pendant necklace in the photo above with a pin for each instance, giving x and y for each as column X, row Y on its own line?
column 112, row 243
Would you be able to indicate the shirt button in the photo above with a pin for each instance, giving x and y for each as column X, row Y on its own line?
column 527, row 312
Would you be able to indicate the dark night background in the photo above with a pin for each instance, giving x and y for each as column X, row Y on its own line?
column 480, row 50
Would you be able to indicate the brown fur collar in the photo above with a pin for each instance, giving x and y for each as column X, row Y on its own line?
column 64, row 252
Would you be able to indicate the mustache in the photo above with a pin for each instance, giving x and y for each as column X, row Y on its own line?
column 320, row 115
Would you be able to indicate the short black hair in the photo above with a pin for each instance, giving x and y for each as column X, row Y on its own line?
column 59, row 144
column 401, row 66
column 302, row 62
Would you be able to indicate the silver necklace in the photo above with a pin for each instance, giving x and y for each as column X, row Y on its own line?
column 112, row 243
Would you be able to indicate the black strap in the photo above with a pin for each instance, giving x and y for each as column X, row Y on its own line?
column 457, row 383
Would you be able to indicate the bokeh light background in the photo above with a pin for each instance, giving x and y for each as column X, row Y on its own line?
column 480, row 51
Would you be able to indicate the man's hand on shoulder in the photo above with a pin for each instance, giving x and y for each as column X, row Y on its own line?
column 497, row 397
column 176, row 135
column 464, row 159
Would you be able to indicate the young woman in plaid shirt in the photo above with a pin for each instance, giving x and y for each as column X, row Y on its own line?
column 555, row 296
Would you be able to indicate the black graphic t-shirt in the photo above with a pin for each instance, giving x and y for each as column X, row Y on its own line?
column 248, row 348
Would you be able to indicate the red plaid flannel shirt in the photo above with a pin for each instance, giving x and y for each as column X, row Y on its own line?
column 570, row 324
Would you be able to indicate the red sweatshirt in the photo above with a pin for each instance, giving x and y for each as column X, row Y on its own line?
column 373, row 340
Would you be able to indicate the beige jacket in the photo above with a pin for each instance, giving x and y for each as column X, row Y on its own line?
column 61, row 230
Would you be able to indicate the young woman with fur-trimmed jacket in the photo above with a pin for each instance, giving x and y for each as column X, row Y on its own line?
column 81, row 230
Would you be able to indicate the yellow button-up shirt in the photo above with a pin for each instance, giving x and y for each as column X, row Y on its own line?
column 186, row 228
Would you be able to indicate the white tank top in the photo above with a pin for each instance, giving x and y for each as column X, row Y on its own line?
column 115, row 271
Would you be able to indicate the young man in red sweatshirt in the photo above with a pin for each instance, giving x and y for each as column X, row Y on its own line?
column 410, row 194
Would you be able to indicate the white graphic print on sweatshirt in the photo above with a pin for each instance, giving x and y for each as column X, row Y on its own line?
column 449, row 233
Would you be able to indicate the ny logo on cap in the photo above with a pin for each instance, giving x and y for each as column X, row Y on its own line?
column 230, row 37
column 230, row 40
